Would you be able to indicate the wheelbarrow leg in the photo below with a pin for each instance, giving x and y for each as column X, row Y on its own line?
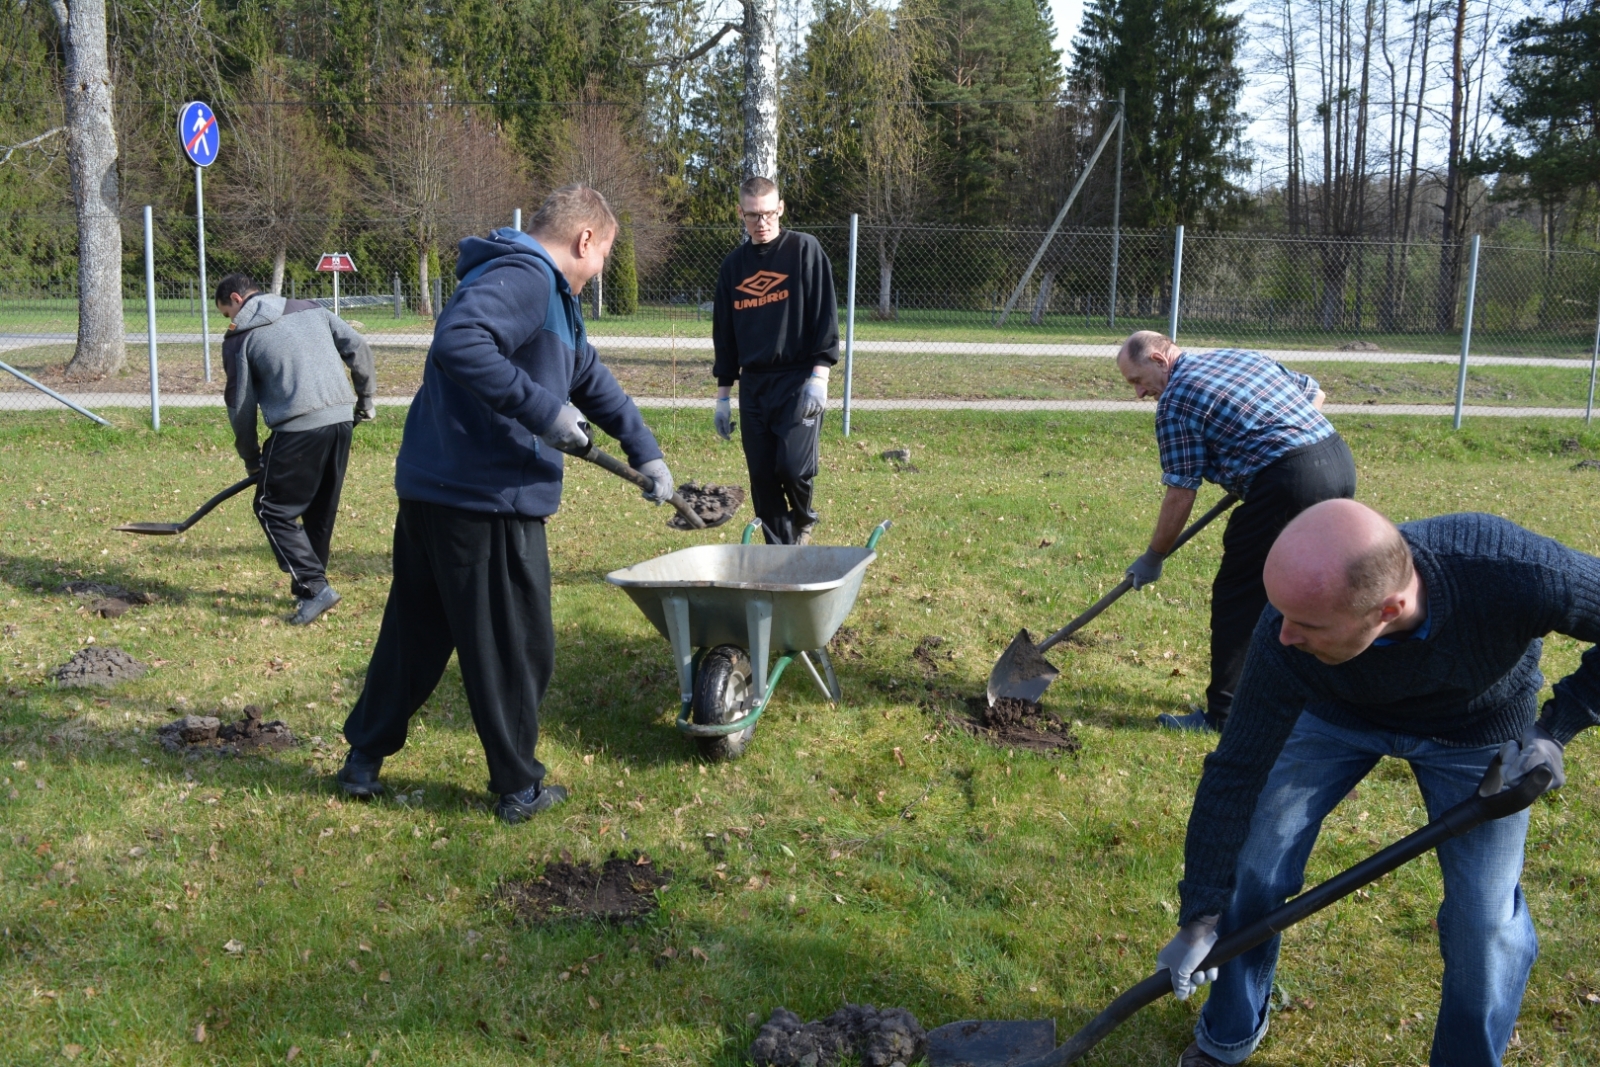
column 828, row 692
column 677, row 612
column 835, row 693
column 758, row 623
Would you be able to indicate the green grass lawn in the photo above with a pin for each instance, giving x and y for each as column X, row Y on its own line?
column 969, row 882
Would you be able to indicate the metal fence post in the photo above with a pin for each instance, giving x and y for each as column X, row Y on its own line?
column 1594, row 361
column 150, row 315
column 1177, row 282
column 600, row 294
column 1116, row 209
column 1466, row 330
column 397, row 297
column 850, row 323
column 516, row 219
column 200, row 244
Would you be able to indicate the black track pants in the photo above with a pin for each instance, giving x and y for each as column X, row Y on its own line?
column 1292, row 483
column 297, row 500
column 477, row 585
column 780, row 451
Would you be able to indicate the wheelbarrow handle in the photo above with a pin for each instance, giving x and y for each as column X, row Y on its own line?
column 1467, row 815
column 1126, row 584
column 594, row 454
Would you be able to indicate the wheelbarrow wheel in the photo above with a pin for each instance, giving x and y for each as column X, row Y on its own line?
column 722, row 693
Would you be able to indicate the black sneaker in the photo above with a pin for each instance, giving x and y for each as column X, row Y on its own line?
column 519, row 807
column 359, row 775
column 307, row 611
column 1193, row 1057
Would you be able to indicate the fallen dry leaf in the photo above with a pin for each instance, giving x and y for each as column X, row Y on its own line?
column 353, row 965
column 72, row 1052
column 293, row 1054
column 594, row 1005
column 440, row 843
column 899, row 757
column 383, row 976
column 362, row 946
column 698, row 954
column 233, row 946
column 138, row 850
column 200, row 1034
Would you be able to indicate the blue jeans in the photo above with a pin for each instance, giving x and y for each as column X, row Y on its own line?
column 1485, row 934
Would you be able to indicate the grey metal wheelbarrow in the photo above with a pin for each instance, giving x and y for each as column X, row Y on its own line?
column 726, row 609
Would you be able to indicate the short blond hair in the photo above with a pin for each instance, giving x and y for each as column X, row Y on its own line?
column 571, row 209
column 757, row 186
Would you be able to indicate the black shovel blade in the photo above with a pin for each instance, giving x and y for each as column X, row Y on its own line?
column 1021, row 672
column 990, row 1043
column 160, row 528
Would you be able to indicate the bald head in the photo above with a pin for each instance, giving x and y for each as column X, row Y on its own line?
column 1142, row 344
column 1145, row 361
column 1341, row 574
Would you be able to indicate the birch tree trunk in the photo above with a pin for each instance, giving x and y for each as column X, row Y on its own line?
column 760, row 100
column 92, row 157
column 424, row 291
column 279, row 258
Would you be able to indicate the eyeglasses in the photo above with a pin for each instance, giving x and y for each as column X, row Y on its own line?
column 753, row 217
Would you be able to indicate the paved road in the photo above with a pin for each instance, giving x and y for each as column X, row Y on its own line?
column 14, row 341
column 31, row 401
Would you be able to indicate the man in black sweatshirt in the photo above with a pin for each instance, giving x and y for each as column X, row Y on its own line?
column 775, row 329
column 1421, row 643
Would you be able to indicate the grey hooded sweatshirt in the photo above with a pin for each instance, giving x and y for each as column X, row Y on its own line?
column 284, row 355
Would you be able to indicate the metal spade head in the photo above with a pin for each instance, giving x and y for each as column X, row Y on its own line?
column 1021, row 672
column 990, row 1043
column 151, row 527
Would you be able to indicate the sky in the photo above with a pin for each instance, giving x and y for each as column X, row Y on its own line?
column 1067, row 13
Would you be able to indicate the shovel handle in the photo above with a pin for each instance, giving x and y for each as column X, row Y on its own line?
column 611, row 463
column 205, row 509
column 1126, row 584
column 1467, row 815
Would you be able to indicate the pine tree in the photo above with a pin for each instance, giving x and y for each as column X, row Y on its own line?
column 1177, row 62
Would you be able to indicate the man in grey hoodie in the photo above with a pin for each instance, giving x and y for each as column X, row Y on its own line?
column 284, row 357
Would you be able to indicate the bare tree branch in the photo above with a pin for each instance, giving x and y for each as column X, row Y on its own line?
column 690, row 57
column 8, row 149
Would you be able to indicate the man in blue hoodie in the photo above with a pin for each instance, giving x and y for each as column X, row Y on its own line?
column 478, row 476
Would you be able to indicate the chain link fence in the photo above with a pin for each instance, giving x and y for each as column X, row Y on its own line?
column 1378, row 323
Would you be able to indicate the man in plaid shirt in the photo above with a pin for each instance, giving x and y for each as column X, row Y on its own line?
column 1255, row 428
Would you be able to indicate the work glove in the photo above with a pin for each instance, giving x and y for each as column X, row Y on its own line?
column 253, row 469
column 813, row 397
column 723, row 419
column 567, row 433
column 656, row 470
column 366, row 410
column 1186, row 952
column 1534, row 749
column 1145, row 569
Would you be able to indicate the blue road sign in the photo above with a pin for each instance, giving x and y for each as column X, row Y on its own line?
column 198, row 133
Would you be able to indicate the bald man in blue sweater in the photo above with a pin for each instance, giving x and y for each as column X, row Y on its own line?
column 1419, row 642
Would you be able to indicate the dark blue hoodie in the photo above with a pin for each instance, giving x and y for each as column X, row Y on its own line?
column 508, row 352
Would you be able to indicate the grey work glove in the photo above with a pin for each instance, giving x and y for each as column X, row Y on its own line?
column 656, row 470
column 1145, row 569
column 1534, row 749
column 1186, row 952
column 366, row 410
column 723, row 418
column 813, row 397
column 567, row 433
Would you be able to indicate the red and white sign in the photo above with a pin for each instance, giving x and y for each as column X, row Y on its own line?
column 337, row 262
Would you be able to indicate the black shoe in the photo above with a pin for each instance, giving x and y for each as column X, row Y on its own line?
column 1198, row 721
column 519, row 807
column 359, row 775
column 1193, row 1057
column 307, row 611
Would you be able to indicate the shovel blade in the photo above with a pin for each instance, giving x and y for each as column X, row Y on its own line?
column 161, row 528
column 1021, row 672
column 990, row 1043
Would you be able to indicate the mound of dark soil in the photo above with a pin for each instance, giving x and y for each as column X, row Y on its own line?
column 715, row 504
column 1013, row 723
column 207, row 733
column 97, row 665
column 106, row 600
column 876, row 1038
column 620, row 890
column 928, row 656
column 1586, row 465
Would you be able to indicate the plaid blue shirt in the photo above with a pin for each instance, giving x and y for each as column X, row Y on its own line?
column 1226, row 415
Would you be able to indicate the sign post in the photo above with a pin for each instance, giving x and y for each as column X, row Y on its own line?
column 198, row 133
column 336, row 263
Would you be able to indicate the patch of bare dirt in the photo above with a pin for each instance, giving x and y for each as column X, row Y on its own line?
column 1013, row 723
column 106, row 600
column 843, row 643
column 207, row 733
column 621, row 890
column 874, row 1038
column 928, row 654
column 98, row 665
column 715, row 504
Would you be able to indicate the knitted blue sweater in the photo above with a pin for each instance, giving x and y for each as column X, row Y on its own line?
column 1493, row 591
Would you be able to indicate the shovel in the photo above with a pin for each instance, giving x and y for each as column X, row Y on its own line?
column 975, row 1043
column 599, row 458
column 1022, row 672
column 169, row 528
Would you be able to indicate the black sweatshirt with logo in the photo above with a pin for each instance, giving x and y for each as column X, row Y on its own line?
column 775, row 309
